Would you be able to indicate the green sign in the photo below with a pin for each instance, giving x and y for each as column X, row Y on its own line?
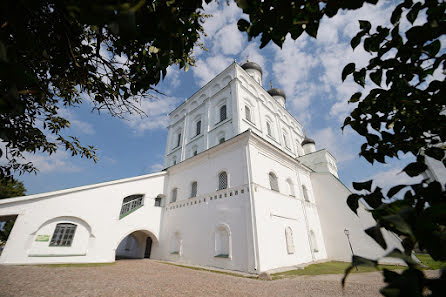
column 42, row 238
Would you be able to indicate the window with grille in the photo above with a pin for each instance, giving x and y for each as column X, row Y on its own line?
column 305, row 192
column 223, row 113
column 174, row 195
column 198, row 128
column 273, row 182
column 222, row 180
column 193, row 192
column 130, row 204
column 247, row 113
column 63, row 235
column 268, row 129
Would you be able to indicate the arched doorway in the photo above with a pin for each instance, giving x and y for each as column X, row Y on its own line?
column 136, row 245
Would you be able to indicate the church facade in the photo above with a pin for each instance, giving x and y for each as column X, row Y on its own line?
column 243, row 189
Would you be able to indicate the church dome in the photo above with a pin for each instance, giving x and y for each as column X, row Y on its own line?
column 307, row 141
column 252, row 65
column 277, row 92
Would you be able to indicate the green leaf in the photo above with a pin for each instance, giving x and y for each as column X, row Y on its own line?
column 413, row 13
column 396, row 224
column 363, row 185
column 352, row 202
column 357, row 39
column 365, row 25
column 435, row 152
column 395, row 190
column 359, row 77
column 375, row 233
column 415, row 168
column 355, row 97
column 433, row 48
column 361, row 261
column 377, row 76
column 348, row 69
column 243, row 25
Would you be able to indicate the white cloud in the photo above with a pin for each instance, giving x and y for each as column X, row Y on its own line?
column 392, row 177
column 229, row 40
column 207, row 69
column 60, row 161
column 338, row 144
column 79, row 125
column 157, row 110
column 156, row 167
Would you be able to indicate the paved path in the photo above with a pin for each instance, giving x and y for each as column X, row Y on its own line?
column 151, row 278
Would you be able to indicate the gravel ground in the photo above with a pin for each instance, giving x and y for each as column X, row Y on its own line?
column 151, row 278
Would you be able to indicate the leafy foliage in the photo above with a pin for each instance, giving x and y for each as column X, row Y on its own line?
column 60, row 53
column 9, row 188
column 404, row 113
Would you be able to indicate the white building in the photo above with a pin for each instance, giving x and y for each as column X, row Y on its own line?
column 243, row 189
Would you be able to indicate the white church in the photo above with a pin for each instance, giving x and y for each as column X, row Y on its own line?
column 243, row 189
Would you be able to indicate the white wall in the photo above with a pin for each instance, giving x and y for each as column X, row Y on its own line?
column 94, row 209
column 335, row 216
column 276, row 211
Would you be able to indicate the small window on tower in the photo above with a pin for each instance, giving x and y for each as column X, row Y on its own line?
column 221, row 140
column 174, row 195
column 198, row 128
column 178, row 140
column 268, row 129
column 248, row 113
column 222, row 180
column 273, row 182
column 223, row 113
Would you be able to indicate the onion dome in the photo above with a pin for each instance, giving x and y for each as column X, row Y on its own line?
column 307, row 141
column 277, row 92
column 252, row 65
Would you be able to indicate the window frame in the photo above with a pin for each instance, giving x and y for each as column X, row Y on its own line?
column 248, row 114
column 61, row 231
column 173, row 198
column 194, row 189
column 220, row 187
column 130, row 204
column 198, row 128
column 223, row 115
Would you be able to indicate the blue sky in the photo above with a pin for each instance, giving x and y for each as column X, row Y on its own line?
column 308, row 70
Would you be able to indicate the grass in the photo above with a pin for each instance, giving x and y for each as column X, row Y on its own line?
column 332, row 267
column 430, row 263
column 75, row 265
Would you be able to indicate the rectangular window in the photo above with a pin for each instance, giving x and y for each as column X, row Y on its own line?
column 63, row 235
column 198, row 132
column 179, row 140
column 222, row 113
column 130, row 203
column 247, row 113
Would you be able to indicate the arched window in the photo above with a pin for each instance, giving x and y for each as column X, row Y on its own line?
column 193, row 191
column 285, row 140
column 222, row 241
column 174, row 160
column 223, row 113
column 273, row 182
column 63, row 234
column 268, row 129
column 248, row 113
column 290, row 188
column 305, row 192
column 176, row 244
column 313, row 242
column 289, row 240
column 222, row 180
column 130, row 204
column 173, row 198
column 198, row 128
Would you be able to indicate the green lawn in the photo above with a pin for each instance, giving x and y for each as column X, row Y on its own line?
column 430, row 263
column 332, row 267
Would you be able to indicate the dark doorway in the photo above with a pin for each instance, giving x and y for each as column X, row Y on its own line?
column 148, row 247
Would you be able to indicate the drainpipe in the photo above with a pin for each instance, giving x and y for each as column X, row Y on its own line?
column 252, row 208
